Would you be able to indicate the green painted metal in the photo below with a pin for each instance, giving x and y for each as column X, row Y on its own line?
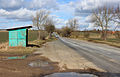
column 16, row 57
column 18, row 37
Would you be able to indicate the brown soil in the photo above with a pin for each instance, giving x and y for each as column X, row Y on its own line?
column 20, row 68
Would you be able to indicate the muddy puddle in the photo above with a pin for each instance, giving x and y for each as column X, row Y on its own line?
column 48, row 66
column 70, row 74
column 42, row 64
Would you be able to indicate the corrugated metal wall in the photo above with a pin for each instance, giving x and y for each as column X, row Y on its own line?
column 18, row 37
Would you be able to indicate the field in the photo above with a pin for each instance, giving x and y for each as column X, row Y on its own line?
column 96, row 37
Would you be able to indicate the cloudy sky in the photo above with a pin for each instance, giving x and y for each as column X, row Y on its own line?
column 15, row 13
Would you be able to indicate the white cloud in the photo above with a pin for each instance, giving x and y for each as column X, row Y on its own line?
column 90, row 18
column 86, row 6
column 22, row 10
column 4, row 21
column 66, row 9
column 32, row 4
column 11, row 4
column 22, row 14
column 60, row 22
column 91, row 26
column 38, row 4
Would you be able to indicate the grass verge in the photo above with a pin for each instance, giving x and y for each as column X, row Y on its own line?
column 110, row 41
column 5, row 50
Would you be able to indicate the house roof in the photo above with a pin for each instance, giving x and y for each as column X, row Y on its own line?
column 19, row 28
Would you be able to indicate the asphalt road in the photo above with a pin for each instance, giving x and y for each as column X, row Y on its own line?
column 103, row 56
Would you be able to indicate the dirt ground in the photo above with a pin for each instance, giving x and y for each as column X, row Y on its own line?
column 20, row 68
column 62, row 58
column 67, row 58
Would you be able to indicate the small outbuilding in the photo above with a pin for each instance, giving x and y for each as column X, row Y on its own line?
column 18, row 36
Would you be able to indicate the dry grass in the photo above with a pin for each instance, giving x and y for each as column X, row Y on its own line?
column 5, row 49
column 95, row 37
column 110, row 41
column 16, row 50
column 4, row 46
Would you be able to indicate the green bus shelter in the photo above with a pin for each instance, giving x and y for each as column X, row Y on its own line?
column 18, row 36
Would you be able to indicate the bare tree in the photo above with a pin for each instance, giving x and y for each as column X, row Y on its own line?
column 102, row 18
column 73, row 24
column 49, row 22
column 49, row 26
column 117, row 15
column 66, row 31
column 39, row 20
column 116, row 18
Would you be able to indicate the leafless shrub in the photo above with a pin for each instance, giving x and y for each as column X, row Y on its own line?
column 40, row 20
column 117, row 34
column 43, row 35
column 49, row 26
column 66, row 31
column 102, row 18
column 73, row 24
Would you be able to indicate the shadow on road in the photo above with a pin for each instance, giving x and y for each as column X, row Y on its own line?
column 32, row 45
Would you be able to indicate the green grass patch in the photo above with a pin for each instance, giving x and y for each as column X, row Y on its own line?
column 3, row 36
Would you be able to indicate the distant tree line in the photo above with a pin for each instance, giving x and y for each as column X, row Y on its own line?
column 103, row 17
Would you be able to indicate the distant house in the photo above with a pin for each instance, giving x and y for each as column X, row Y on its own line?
column 18, row 36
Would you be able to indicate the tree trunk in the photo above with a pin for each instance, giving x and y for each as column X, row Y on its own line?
column 104, row 35
column 39, row 35
column 50, row 35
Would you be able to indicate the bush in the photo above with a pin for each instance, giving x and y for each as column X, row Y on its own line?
column 43, row 35
column 50, row 28
column 66, row 31
column 58, row 31
column 117, row 34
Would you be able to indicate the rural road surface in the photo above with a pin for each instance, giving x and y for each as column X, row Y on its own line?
column 103, row 56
